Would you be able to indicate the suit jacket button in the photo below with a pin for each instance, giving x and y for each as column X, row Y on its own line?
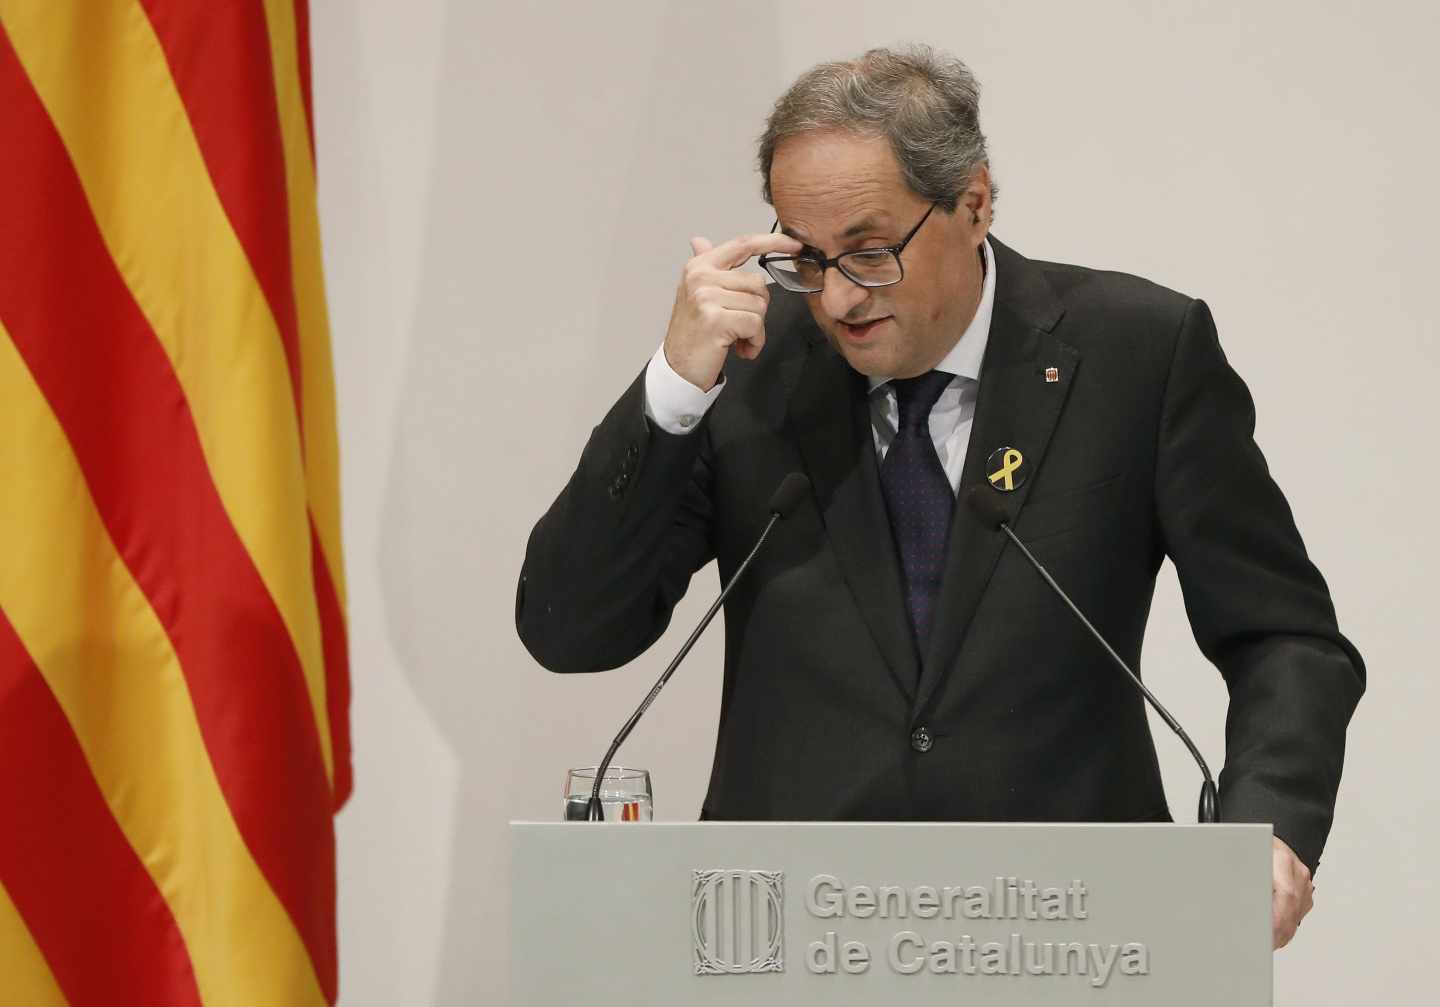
column 921, row 740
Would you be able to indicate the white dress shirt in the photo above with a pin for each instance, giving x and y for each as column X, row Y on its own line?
column 675, row 405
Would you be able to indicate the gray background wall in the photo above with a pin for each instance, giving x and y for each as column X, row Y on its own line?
column 506, row 194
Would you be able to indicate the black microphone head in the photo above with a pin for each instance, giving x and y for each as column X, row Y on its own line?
column 789, row 493
column 986, row 505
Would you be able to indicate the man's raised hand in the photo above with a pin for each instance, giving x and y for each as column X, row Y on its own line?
column 718, row 307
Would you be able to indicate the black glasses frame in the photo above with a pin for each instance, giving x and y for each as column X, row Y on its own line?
column 838, row 261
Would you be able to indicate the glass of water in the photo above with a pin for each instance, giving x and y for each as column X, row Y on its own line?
column 625, row 794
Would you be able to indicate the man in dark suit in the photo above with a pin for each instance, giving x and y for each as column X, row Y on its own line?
column 888, row 657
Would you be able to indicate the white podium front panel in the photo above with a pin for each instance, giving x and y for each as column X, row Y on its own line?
column 878, row 913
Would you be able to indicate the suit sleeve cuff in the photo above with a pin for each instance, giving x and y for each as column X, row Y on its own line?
column 672, row 403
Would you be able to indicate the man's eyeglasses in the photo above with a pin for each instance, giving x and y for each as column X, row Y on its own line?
column 869, row 267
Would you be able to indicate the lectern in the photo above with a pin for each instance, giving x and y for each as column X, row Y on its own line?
column 883, row 913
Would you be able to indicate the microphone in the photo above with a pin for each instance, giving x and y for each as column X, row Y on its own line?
column 991, row 512
column 783, row 501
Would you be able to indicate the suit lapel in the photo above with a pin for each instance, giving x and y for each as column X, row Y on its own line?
column 829, row 418
column 1016, row 408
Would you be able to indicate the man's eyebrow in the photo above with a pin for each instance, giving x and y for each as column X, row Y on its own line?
column 789, row 231
column 856, row 229
column 860, row 227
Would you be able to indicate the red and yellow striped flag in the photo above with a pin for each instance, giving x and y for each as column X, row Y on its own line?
column 173, row 672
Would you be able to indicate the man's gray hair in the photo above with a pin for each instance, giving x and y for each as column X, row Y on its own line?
column 925, row 103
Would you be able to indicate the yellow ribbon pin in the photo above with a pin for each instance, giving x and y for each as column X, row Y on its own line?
column 1004, row 477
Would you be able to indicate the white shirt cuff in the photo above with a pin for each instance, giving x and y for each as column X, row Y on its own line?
column 672, row 403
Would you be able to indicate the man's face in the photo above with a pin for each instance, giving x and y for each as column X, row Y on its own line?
column 838, row 192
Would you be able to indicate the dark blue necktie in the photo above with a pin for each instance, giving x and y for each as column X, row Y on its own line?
column 919, row 498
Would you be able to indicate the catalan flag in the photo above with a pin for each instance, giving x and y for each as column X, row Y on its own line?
column 173, row 672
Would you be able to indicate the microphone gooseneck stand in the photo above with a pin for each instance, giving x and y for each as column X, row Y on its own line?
column 992, row 512
column 786, row 496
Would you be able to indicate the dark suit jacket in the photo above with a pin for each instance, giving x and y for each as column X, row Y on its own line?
column 1142, row 449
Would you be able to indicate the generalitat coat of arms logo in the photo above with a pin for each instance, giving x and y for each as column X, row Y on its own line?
column 737, row 921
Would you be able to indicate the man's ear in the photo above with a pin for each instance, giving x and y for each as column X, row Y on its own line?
column 975, row 203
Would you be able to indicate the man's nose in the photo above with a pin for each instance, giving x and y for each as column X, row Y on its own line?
column 840, row 295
